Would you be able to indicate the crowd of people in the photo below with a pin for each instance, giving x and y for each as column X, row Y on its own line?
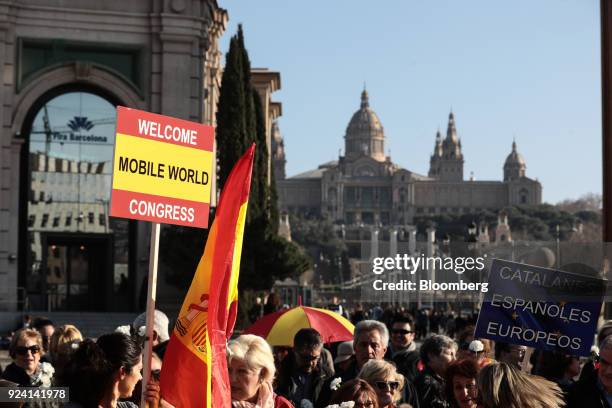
column 384, row 366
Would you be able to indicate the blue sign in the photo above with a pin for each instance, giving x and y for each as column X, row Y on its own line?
column 542, row 308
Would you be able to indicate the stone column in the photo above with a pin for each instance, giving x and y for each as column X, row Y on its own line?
column 10, row 150
column 392, row 242
column 412, row 241
column 374, row 243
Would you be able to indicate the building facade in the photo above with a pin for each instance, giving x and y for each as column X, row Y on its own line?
column 66, row 65
column 364, row 187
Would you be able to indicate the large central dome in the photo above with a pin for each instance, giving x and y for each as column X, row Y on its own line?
column 364, row 134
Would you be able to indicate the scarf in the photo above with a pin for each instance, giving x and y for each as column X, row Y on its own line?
column 265, row 398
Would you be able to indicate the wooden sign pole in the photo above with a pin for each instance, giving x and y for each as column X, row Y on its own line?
column 151, row 296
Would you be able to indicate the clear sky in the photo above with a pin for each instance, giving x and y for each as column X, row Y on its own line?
column 523, row 69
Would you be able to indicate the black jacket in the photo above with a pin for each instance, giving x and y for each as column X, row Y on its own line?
column 326, row 393
column 289, row 386
column 586, row 393
column 17, row 375
column 430, row 390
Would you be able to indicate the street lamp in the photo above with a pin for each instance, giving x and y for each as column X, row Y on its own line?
column 339, row 263
column 472, row 249
column 558, row 249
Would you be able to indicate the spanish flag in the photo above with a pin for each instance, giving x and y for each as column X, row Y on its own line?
column 194, row 373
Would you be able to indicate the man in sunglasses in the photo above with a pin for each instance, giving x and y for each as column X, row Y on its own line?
column 302, row 373
column 402, row 336
column 512, row 354
column 594, row 390
column 402, row 348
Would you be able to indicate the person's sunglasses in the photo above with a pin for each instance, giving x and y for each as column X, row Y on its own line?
column 401, row 331
column 384, row 385
column 22, row 351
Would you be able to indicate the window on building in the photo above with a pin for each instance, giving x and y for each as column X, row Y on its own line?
column 56, row 221
column 367, row 196
column 349, row 217
column 45, row 220
column 384, row 217
column 432, row 210
column 419, row 210
column 523, row 194
column 68, row 220
column 102, row 220
column 90, row 217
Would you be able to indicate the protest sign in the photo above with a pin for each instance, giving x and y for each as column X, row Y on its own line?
column 161, row 169
column 542, row 308
column 161, row 173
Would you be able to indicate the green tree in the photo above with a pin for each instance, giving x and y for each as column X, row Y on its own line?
column 232, row 126
column 241, row 122
column 538, row 222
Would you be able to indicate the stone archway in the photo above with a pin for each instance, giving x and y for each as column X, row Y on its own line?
column 54, row 81
column 75, row 74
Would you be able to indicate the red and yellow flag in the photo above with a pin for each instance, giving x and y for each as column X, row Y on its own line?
column 194, row 373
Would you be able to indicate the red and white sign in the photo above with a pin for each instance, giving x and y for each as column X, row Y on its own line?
column 161, row 169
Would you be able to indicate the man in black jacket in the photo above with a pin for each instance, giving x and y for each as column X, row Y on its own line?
column 594, row 390
column 437, row 352
column 302, row 374
column 370, row 340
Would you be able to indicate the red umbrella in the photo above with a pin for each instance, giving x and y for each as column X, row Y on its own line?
column 280, row 327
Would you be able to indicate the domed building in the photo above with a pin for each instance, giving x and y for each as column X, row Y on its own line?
column 365, row 187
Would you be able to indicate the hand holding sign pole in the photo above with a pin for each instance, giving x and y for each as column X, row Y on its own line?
column 161, row 173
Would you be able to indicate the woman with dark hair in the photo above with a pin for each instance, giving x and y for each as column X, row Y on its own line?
column 102, row 372
column 460, row 383
column 357, row 391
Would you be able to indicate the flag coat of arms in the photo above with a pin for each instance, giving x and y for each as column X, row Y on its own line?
column 194, row 373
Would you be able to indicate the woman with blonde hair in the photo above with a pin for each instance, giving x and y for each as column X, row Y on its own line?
column 64, row 342
column 385, row 380
column 27, row 370
column 251, row 372
column 504, row 386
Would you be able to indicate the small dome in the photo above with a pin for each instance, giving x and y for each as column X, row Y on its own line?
column 514, row 158
column 364, row 123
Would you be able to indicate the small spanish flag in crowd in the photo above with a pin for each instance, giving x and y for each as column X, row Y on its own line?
column 194, row 373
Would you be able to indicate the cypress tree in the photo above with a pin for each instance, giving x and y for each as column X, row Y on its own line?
column 241, row 122
column 231, row 124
